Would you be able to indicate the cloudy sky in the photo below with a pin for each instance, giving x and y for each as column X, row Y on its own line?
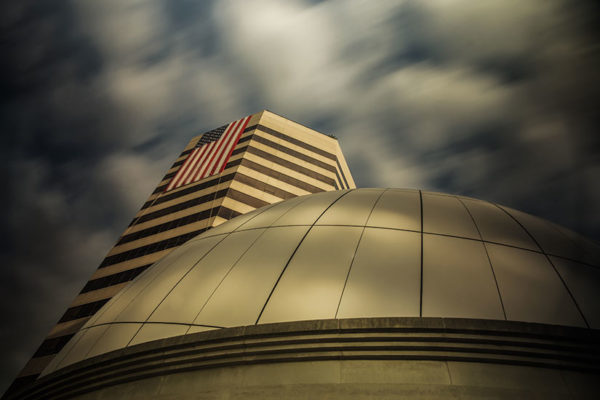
column 495, row 99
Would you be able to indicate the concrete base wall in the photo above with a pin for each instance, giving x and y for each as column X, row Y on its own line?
column 362, row 380
column 364, row 358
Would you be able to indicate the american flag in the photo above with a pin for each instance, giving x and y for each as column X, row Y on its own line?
column 210, row 154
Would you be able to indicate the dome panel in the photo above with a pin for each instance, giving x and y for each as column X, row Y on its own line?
column 314, row 279
column 56, row 362
column 583, row 281
column 397, row 209
column 390, row 286
column 589, row 250
column 199, row 328
column 183, row 301
column 548, row 236
column 241, row 296
column 351, row 209
column 531, row 289
column 235, row 223
column 150, row 331
column 497, row 226
column 271, row 215
column 113, row 308
column 82, row 347
column 311, row 209
column 458, row 280
column 153, row 294
column 115, row 337
column 447, row 216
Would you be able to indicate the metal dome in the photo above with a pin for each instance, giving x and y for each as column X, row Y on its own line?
column 355, row 254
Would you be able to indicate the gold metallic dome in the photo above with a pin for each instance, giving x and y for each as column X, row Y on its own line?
column 356, row 254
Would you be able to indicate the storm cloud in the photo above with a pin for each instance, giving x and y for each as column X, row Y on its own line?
column 496, row 100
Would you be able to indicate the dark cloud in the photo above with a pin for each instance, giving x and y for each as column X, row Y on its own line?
column 492, row 99
column 60, row 212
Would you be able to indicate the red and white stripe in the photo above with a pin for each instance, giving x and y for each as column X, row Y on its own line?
column 210, row 158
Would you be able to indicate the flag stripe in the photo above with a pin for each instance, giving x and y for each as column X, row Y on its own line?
column 208, row 150
column 218, row 151
column 210, row 165
column 202, row 168
column 203, row 161
column 189, row 167
column 210, row 155
column 234, row 143
column 232, row 137
column 197, row 161
column 182, row 170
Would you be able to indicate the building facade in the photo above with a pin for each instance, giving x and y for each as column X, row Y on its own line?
column 306, row 287
column 272, row 159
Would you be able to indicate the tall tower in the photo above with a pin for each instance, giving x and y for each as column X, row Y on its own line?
column 247, row 164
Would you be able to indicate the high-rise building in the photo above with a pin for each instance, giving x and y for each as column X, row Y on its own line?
column 231, row 170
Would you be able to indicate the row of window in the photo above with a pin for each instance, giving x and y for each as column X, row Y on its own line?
column 187, row 190
column 181, row 206
column 176, row 223
column 52, row 345
column 113, row 279
column 149, row 249
column 294, row 153
column 227, row 213
column 279, row 176
column 342, row 174
column 246, row 198
column 84, row 310
column 288, row 164
column 308, row 159
column 292, row 140
column 307, row 147
column 263, row 186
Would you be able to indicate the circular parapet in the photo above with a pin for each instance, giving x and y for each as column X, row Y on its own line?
column 341, row 358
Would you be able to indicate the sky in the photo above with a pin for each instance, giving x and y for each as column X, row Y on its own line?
column 494, row 99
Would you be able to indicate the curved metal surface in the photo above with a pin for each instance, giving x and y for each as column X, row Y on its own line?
column 355, row 254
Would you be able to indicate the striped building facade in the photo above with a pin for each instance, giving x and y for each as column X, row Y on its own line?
column 274, row 159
